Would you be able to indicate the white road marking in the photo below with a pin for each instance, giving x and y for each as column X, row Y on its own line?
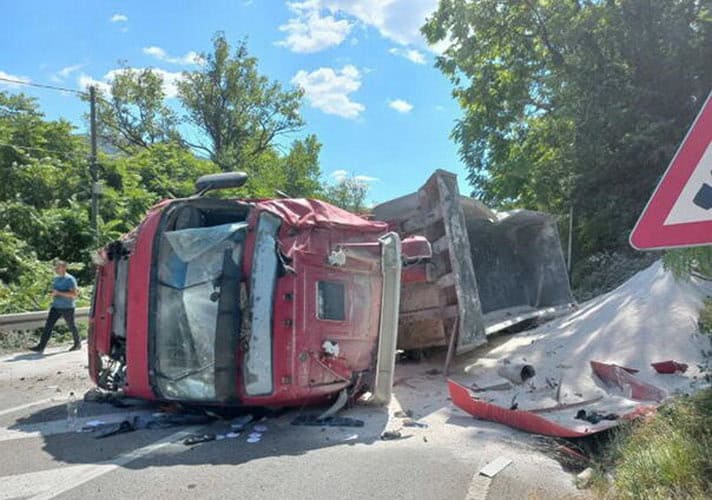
column 30, row 405
column 43, row 485
column 479, row 487
column 61, row 426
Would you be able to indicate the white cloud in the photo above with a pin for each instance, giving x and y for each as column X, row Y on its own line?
column 412, row 55
column 342, row 175
column 170, row 80
column 10, row 76
column 119, row 18
column 397, row 20
column 366, row 178
column 309, row 31
column 190, row 57
column 400, row 105
column 63, row 73
column 339, row 175
column 85, row 81
column 329, row 90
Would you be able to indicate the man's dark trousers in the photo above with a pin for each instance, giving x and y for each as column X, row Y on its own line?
column 54, row 314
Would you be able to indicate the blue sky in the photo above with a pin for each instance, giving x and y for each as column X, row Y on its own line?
column 373, row 97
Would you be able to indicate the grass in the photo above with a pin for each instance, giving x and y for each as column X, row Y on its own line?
column 666, row 456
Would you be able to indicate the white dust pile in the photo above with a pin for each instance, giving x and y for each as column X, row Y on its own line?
column 650, row 318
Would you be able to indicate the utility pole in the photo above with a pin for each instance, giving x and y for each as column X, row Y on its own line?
column 571, row 237
column 92, row 165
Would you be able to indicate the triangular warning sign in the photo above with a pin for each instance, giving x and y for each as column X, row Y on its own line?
column 679, row 214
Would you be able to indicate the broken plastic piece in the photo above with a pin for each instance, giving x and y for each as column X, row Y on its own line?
column 669, row 367
column 412, row 423
column 391, row 435
column 239, row 423
column 524, row 420
column 312, row 420
column 198, row 438
column 594, row 417
column 617, row 376
column 113, row 429
column 166, row 421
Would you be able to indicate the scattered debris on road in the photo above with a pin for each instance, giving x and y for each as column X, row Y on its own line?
column 669, row 366
column 198, row 438
column 314, row 421
column 597, row 359
column 494, row 467
column 391, row 435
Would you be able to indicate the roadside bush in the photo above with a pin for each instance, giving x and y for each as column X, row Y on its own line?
column 705, row 319
column 665, row 456
column 30, row 291
column 604, row 271
column 687, row 262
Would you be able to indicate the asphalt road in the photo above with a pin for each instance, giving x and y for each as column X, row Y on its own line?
column 41, row 458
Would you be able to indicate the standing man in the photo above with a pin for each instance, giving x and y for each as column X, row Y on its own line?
column 64, row 293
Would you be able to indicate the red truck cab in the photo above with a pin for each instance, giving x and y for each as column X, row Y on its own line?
column 258, row 303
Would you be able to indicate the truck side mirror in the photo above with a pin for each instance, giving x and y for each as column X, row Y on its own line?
column 225, row 180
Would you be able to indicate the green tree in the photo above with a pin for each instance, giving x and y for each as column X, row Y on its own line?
column 238, row 110
column 348, row 193
column 576, row 103
column 301, row 168
column 134, row 113
column 44, row 178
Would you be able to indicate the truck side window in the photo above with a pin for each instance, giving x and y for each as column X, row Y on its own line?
column 331, row 300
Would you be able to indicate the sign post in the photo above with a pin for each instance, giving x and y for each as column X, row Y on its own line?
column 679, row 214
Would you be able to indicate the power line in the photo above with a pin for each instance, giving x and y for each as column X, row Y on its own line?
column 42, row 86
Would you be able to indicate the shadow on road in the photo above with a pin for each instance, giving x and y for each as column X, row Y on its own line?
column 280, row 439
column 29, row 356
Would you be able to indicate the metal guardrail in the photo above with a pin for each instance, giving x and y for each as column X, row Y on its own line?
column 34, row 319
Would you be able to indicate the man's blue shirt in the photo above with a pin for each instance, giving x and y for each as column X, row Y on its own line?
column 64, row 283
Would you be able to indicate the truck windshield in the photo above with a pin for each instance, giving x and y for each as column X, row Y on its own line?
column 198, row 273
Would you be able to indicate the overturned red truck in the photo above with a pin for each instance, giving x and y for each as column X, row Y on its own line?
column 289, row 302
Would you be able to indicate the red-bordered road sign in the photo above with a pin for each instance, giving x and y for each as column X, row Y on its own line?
column 679, row 214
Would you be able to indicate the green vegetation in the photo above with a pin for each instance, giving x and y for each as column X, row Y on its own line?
column 575, row 104
column 690, row 262
column 148, row 152
column 665, row 456
column 705, row 319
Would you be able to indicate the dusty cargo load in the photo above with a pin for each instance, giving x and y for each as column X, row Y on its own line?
column 489, row 270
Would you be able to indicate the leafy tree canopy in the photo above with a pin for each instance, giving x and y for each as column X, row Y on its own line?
column 574, row 103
